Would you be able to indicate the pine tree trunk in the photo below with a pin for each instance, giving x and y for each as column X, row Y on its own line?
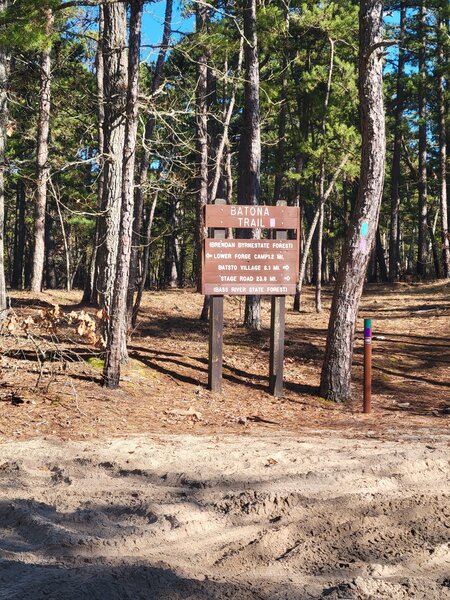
column 381, row 261
column 318, row 276
column 90, row 294
column 51, row 281
column 422, row 183
column 145, row 259
column 114, row 89
column 4, row 72
column 19, row 236
column 249, row 190
column 395, row 170
column 445, row 236
column 202, row 19
column 42, row 167
column 336, row 370
column 171, row 258
column 281, row 146
column 118, row 322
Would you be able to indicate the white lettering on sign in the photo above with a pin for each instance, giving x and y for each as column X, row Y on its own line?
column 286, row 245
column 222, row 244
column 257, row 244
column 252, row 211
column 227, row 267
column 264, row 257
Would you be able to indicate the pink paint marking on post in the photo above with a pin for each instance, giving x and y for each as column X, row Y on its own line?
column 362, row 244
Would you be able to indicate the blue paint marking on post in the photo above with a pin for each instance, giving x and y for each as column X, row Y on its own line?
column 367, row 328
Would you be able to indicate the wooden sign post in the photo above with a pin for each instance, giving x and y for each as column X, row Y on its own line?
column 277, row 321
column 266, row 266
column 215, row 358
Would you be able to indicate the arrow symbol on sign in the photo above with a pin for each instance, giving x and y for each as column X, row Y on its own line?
column 286, row 267
column 208, row 255
column 287, row 278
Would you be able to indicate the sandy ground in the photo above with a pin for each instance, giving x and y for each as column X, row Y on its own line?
column 212, row 517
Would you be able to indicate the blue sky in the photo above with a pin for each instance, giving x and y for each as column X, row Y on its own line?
column 152, row 26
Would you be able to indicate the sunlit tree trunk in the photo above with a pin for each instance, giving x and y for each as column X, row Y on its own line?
column 117, row 328
column 90, row 288
column 395, row 169
column 318, row 294
column 443, row 147
column 42, row 166
column 4, row 71
column 249, row 188
column 114, row 89
column 336, row 370
column 422, row 183
column 202, row 19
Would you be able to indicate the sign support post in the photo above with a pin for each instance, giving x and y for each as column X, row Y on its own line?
column 277, row 324
column 215, row 359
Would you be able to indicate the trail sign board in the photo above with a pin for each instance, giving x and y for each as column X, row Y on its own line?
column 265, row 266
column 250, row 266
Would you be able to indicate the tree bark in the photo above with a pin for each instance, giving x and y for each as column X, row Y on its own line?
column 114, row 88
column 42, row 166
column 379, row 253
column 51, row 280
column 441, row 31
column 90, row 293
column 202, row 19
column 249, row 188
column 422, row 182
column 336, row 370
column 19, row 236
column 4, row 72
column 145, row 259
column 395, row 170
column 318, row 295
column 118, row 321
column 281, row 145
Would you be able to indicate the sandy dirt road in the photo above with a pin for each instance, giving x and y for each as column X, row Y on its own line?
column 213, row 517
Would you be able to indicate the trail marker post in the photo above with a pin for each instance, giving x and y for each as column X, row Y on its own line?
column 266, row 266
column 367, row 402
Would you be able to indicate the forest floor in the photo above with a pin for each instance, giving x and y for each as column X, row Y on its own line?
column 162, row 489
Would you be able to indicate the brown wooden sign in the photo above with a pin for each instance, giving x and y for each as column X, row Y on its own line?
column 250, row 266
column 241, row 267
